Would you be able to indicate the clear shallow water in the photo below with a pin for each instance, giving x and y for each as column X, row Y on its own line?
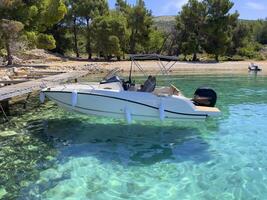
column 51, row 154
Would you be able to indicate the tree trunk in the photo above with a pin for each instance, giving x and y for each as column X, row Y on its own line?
column 195, row 56
column 132, row 44
column 132, row 41
column 88, row 46
column 163, row 44
column 9, row 56
column 216, row 57
column 75, row 38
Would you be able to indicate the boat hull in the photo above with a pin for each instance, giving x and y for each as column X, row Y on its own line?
column 145, row 106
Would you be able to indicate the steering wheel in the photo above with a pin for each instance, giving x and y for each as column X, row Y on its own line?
column 127, row 84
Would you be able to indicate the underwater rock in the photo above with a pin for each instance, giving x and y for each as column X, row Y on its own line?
column 50, row 158
column 3, row 192
column 24, row 184
column 7, row 133
column 32, row 148
column 51, row 174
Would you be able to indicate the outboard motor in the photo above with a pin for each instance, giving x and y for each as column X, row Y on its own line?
column 205, row 96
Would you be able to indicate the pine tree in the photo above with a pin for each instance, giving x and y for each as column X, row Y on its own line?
column 88, row 10
column 9, row 31
column 190, row 22
column 219, row 26
column 110, row 34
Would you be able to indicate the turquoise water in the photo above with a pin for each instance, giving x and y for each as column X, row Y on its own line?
column 48, row 153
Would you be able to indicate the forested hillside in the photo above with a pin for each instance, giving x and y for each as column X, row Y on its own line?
column 90, row 29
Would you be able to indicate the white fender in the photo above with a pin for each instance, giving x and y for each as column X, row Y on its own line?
column 161, row 111
column 42, row 97
column 128, row 116
column 74, row 97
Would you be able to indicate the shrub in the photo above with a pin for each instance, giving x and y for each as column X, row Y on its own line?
column 45, row 41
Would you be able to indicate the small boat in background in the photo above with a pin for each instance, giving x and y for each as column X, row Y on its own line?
column 253, row 67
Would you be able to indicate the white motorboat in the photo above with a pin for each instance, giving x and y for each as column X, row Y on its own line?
column 114, row 97
column 253, row 67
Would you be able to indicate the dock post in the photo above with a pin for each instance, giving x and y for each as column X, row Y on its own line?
column 5, row 107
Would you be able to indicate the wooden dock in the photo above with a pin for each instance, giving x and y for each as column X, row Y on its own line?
column 23, row 88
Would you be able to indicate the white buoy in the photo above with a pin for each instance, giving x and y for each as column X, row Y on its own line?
column 42, row 97
column 74, row 97
column 128, row 115
column 161, row 111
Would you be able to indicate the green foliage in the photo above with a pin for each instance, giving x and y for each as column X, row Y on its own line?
column 88, row 26
column 250, row 50
column 155, row 43
column 110, row 34
column 140, row 24
column 113, row 46
column 45, row 41
column 190, row 23
column 263, row 33
column 88, row 10
column 9, row 32
column 31, row 38
column 122, row 6
column 219, row 26
column 36, row 17
column 10, row 28
column 241, row 37
column 54, row 11
column 207, row 25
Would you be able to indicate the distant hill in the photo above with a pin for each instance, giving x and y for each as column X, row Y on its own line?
column 164, row 23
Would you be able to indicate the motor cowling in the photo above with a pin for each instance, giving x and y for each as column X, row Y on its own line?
column 205, row 96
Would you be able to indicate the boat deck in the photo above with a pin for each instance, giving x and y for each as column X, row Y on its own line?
column 207, row 109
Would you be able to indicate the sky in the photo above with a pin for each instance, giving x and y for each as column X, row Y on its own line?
column 248, row 9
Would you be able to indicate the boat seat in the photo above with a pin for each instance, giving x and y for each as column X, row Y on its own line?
column 149, row 85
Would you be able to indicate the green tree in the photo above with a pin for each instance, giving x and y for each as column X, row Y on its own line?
column 139, row 23
column 9, row 32
column 263, row 33
column 218, row 27
column 88, row 10
column 46, row 41
column 241, row 37
column 110, row 34
column 37, row 16
column 155, row 43
column 61, row 33
column 72, row 21
column 190, row 22
column 123, row 7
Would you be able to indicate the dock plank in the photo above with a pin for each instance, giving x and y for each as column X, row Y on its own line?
column 10, row 91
